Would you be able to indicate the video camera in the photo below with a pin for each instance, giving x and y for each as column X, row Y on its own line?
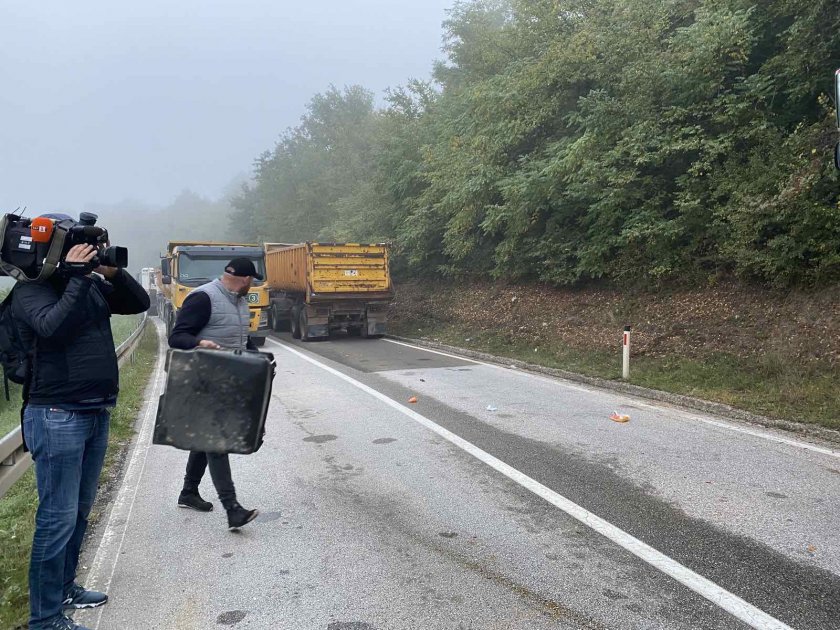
column 33, row 249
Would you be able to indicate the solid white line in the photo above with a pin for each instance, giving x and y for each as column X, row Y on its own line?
column 733, row 604
column 443, row 354
column 124, row 503
column 764, row 435
column 557, row 380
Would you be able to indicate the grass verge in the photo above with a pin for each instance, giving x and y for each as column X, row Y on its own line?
column 767, row 385
column 17, row 508
column 122, row 326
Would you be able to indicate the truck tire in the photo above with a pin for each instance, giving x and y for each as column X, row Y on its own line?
column 275, row 322
column 303, row 327
column 295, row 323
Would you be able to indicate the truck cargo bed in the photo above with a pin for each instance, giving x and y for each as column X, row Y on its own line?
column 331, row 270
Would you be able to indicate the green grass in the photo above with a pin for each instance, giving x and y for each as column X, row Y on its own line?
column 122, row 326
column 770, row 386
column 17, row 508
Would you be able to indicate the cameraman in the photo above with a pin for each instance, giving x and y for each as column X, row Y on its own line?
column 74, row 381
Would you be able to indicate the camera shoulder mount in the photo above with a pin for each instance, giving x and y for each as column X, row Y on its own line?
column 52, row 260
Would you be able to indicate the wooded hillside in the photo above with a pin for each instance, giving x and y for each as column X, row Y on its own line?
column 567, row 141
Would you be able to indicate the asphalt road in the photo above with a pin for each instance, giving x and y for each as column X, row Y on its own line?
column 499, row 500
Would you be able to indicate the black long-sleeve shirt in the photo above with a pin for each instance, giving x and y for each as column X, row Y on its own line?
column 68, row 325
column 192, row 318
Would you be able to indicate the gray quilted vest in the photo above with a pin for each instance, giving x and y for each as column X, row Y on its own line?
column 229, row 317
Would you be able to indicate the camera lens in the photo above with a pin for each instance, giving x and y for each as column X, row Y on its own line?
column 114, row 257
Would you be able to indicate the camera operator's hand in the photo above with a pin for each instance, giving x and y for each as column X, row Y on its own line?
column 81, row 253
column 210, row 345
column 78, row 259
column 108, row 272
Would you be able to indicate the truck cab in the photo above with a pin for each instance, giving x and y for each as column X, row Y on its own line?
column 188, row 265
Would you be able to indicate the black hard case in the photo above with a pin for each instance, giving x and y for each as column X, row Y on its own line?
column 215, row 401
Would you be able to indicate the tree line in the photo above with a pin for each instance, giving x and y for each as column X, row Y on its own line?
column 572, row 141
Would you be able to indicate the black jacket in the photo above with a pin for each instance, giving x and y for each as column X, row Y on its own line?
column 68, row 324
column 192, row 318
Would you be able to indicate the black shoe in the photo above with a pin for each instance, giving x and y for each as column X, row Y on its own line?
column 80, row 597
column 59, row 623
column 193, row 501
column 239, row 516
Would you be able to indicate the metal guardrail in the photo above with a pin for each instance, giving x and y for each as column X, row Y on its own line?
column 13, row 461
column 125, row 351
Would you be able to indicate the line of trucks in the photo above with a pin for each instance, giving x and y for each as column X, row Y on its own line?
column 310, row 289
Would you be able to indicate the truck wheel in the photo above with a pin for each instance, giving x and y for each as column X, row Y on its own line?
column 277, row 323
column 303, row 326
column 295, row 323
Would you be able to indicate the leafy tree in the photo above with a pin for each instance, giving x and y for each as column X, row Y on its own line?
column 569, row 141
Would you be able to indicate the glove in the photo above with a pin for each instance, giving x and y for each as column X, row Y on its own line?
column 76, row 268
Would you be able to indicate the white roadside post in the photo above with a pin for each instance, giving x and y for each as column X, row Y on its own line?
column 626, row 344
column 837, row 112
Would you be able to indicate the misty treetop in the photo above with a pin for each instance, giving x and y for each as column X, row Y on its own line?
column 146, row 230
column 571, row 140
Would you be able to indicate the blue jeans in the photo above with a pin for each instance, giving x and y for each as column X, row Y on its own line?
column 68, row 448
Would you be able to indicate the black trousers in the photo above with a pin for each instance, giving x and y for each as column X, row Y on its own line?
column 219, row 464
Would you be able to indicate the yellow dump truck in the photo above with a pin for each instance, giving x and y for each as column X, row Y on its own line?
column 187, row 265
column 319, row 288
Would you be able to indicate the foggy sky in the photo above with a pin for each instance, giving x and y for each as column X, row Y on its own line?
column 102, row 101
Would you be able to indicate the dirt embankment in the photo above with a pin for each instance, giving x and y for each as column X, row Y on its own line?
column 746, row 323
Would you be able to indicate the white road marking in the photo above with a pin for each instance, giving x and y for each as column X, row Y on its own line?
column 113, row 538
column 764, row 435
column 730, row 602
column 443, row 354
